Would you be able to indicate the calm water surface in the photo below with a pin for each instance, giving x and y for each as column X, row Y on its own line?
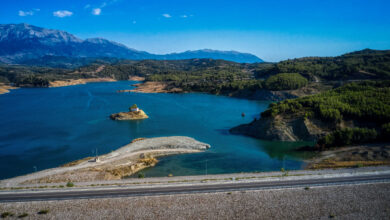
column 46, row 127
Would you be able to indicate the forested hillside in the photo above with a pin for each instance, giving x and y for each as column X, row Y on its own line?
column 365, row 64
column 219, row 76
column 355, row 113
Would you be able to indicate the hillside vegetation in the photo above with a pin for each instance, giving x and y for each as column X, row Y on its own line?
column 365, row 64
column 352, row 114
column 285, row 81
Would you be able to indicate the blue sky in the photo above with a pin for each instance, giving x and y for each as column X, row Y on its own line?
column 273, row 30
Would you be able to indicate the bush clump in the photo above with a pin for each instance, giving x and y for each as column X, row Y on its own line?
column 6, row 214
column 23, row 215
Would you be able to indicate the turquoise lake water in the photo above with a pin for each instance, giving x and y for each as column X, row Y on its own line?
column 42, row 128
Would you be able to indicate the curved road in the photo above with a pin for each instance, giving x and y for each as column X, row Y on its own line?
column 124, row 192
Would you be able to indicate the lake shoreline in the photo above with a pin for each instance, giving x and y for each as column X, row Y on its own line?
column 4, row 89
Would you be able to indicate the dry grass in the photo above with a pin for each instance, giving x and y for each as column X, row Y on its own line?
column 325, row 164
column 137, row 139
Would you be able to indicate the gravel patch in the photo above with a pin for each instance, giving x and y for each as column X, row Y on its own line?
column 364, row 201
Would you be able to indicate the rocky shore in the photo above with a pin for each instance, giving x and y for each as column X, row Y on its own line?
column 125, row 161
column 282, row 128
column 129, row 115
column 134, row 113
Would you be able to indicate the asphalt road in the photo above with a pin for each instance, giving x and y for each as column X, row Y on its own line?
column 198, row 188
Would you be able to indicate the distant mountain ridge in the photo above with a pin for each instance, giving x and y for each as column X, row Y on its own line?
column 20, row 43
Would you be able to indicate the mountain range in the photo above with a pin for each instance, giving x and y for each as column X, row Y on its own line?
column 27, row 44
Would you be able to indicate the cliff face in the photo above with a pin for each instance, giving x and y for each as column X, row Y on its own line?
column 262, row 94
column 283, row 128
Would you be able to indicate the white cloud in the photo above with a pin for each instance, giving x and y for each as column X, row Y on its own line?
column 87, row 6
column 62, row 13
column 166, row 15
column 184, row 16
column 25, row 13
column 96, row 11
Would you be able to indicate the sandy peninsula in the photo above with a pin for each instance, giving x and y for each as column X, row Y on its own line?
column 125, row 161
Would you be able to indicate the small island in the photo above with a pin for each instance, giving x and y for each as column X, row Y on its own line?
column 134, row 113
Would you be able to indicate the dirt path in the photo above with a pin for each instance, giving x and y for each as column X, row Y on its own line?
column 100, row 68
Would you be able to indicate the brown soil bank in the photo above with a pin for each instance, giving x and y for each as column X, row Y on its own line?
column 354, row 156
column 153, row 87
column 5, row 88
column 125, row 161
column 72, row 82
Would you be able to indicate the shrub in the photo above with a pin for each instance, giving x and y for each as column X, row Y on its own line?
column 69, row 184
column 359, row 165
column 141, row 175
column 43, row 212
column 6, row 214
column 385, row 133
column 22, row 215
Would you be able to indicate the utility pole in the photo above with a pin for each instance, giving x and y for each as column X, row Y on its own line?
column 206, row 167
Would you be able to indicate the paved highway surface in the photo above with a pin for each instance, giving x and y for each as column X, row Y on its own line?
column 150, row 191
